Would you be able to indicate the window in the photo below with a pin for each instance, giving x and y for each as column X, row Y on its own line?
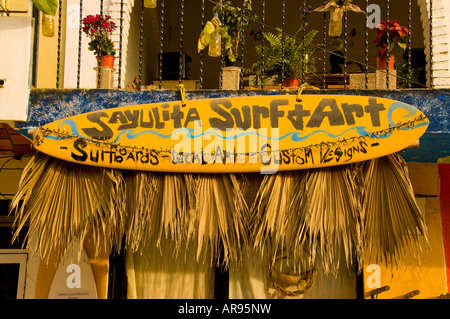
column 12, row 273
column 13, row 259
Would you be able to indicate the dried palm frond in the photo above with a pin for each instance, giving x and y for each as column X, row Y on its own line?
column 394, row 224
column 63, row 202
column 309, row 213
column 222, row 217
column 181, row 207
column 250, row 184
column 159, row 205
column 328, row 217
column 269, row 220
column 368, row 206
column 142, row 197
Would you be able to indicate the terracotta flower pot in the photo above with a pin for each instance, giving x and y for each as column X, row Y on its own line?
column 290, row 83
column 381, row 62
column 107, row 60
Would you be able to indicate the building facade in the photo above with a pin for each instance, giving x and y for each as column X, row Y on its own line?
column 156, row 50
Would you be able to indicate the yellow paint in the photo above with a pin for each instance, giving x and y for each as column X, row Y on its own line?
column 429, row 277
column 444, row 160
column 100, row 267
column 279, row 131
column 44, row 277
column 47, row 51
column 48, row 54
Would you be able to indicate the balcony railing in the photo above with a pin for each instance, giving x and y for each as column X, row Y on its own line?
column 341, row 60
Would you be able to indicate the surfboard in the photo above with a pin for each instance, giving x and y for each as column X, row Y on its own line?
column 74, row 277
column 236, row 134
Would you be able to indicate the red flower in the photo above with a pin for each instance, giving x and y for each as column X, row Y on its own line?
column 98, row 25
column 99, row 28
column 397, row 33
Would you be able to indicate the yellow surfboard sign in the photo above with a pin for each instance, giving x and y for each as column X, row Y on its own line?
column 236, row 134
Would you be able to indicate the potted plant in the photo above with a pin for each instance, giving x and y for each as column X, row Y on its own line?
column 292, row 55
column 397, row 45
column 99, row 29
column 234, row 20
column 48, row 9
column 404, row 74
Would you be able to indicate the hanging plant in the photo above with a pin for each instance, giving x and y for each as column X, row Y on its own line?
column 337, row 9
column 48, row 9
column 234, row 21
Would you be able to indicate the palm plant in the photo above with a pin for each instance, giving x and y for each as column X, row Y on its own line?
column 295, row 54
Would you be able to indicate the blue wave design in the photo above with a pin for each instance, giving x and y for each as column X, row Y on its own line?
column 295, row 136
column 130, row 134
column 360, row 129
column 73, row 126
column 420, row 125
column 411, row 111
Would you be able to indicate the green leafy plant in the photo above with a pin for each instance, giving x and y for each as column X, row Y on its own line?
column 46, row 6
column 234, row 21
column 403, row 74
column 338, row 42
column 292, row 56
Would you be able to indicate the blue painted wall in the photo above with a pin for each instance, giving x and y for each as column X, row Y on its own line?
column 46, row 106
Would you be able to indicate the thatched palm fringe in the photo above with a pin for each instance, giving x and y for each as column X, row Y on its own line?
column 394, row 225
column 63, row 202
column 158, row 205
column 208, row 208
column 268, row 212
column 141, row 195
column 309, row 213
column 325, row 216
column 304, row 214
column 222, row 216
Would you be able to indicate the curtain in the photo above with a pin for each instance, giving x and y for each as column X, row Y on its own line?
column 158, row 273
column 252, row 280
